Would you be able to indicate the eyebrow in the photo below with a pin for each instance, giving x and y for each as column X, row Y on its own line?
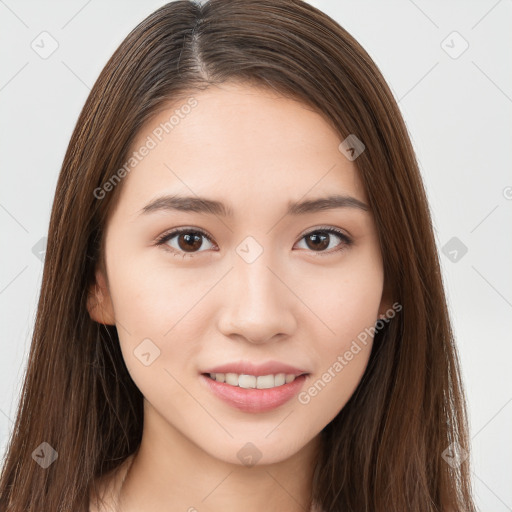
column 211, row 207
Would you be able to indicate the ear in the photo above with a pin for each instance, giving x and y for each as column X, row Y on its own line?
column 386, row 302
column 99, row 303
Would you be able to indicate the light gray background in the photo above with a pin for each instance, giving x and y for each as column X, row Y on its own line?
column 458, row 112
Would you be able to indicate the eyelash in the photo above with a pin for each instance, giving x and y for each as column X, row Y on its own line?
column 163, row 239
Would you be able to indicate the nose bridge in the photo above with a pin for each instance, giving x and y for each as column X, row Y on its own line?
column 257, row 304
column 252, row 272
column 257, row 284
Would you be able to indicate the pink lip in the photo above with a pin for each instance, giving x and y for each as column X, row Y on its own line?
column 254, row 400
column 247, row 368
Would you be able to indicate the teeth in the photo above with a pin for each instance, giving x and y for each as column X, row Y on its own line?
column 231, row 378
column 251, row 381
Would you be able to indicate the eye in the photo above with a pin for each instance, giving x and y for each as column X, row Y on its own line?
column 320, row 239
column 187, row 242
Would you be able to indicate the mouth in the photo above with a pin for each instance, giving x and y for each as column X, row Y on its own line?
column 254, row 393
column 247, row 381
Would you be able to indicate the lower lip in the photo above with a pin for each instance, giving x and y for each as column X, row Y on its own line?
column 254, row 400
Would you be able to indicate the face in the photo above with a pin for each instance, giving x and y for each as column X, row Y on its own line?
column 258, row 284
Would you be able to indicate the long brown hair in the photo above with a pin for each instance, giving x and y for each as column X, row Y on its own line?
column 385, row 450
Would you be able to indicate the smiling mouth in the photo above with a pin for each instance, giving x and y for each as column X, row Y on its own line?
column 252, row 381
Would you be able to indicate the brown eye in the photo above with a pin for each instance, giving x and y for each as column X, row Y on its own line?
column 317, row 241
column 321, row 239
column 189, row 242
column 185, row 242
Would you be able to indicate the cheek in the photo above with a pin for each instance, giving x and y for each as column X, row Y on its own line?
column 346, row 299
column 348, row 307
column 158, row 315
column 157, row 326
column 327, row 392
column 151, row 295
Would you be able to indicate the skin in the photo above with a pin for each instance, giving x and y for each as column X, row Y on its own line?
column 253, row 150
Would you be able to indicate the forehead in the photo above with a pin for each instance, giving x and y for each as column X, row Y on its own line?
column 242, row 144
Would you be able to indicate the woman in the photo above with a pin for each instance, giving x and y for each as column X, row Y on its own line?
column 242, row 304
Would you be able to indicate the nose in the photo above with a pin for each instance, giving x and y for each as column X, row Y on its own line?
column 256, row 304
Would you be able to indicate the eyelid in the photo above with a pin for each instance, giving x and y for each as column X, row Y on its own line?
column 187, row 229
column 338, row 231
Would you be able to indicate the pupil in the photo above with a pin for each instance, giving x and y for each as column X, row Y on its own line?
column 322, row 238
column 192, row 241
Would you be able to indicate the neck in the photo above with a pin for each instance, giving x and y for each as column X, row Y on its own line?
column 169, row 468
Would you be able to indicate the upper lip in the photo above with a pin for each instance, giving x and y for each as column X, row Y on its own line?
column 248, row 368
